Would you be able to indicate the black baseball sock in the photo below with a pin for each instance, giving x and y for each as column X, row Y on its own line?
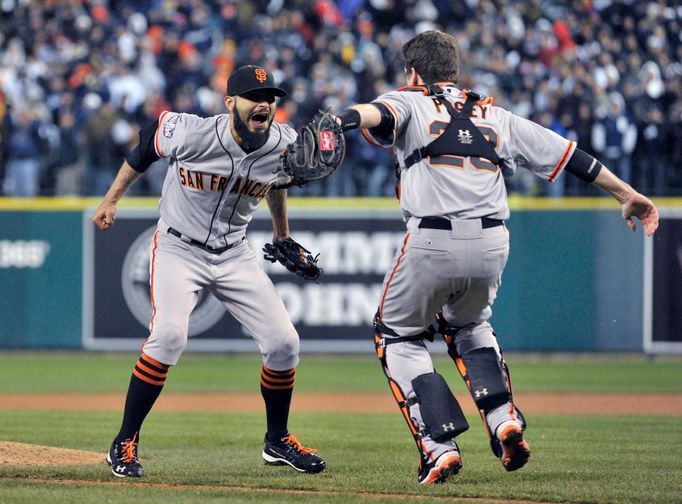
column 146, row 383
column 277, row 388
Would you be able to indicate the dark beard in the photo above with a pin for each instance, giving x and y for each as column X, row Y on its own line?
column 249, row 141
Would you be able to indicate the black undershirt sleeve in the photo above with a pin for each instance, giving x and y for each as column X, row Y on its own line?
column 385, row 128
column 144, row 154
column 583, row 166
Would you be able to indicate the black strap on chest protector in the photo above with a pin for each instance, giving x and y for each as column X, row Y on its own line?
column 460, row 138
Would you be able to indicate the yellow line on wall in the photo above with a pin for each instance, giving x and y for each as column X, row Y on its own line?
column 63, row 204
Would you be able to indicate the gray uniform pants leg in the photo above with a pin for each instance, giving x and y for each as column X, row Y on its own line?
column 456, row 271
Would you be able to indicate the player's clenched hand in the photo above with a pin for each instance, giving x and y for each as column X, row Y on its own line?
column 104, row 216
column 637, row 205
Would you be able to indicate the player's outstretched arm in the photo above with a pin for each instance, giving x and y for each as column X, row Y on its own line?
column 105, row 213
column 363, row 115
column 633, row 204
column 277, row 203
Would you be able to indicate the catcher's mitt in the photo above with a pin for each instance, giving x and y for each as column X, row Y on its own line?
column 294, row 257
column 317, row 151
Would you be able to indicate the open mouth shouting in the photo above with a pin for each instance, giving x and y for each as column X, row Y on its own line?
column 259, row 120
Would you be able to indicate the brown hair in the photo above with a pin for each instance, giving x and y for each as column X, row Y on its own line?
column 434, row 55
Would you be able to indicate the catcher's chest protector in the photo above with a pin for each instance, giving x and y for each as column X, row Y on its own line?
column 460, row 138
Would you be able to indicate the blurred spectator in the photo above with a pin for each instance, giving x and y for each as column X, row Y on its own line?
column 102, row 156
column 653, row 160
column 67, row 166
column 24, row 149
column 673, row 142
column 614, row 137
column 608, row 74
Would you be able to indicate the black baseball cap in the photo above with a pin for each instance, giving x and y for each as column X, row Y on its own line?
column 252, row 78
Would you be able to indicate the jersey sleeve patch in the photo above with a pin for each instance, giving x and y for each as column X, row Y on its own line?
column 159, row 130
column 169, row 124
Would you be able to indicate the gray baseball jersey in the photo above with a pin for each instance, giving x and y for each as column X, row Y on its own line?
column 212, row 186
column 458, row 187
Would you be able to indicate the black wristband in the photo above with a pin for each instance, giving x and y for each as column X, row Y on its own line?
column 350, row 119
column 583, row 166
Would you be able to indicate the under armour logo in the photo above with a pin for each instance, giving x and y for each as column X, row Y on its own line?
column 448, row 427
column 465, row 137
column 120, row 468
column 261, row 76
column 481, row 393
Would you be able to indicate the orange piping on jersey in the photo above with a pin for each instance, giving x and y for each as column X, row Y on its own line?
column 368, row 136
column 390, row 278
column 392, row 109
column 560, row 165
column 365, row 131
column 159, row 127
column 423, row 89
column 151, row 281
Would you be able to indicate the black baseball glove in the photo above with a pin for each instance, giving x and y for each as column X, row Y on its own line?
column 294, row 257
column 318, row 150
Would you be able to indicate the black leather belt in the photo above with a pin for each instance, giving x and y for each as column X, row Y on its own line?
column 442, row 223
column 202, row 245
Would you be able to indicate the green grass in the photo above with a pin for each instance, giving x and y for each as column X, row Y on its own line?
column 575, row 459
column 109, row 372
column 215, row 457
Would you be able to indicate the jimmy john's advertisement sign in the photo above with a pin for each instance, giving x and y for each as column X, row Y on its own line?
column 333, row 313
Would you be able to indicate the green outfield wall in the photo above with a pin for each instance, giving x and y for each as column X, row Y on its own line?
column 577, row 279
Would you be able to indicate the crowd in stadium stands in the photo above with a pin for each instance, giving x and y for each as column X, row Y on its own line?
column 79, row 77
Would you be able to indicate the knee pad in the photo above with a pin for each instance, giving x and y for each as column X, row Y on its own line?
column 487, row 378
column 441, row 413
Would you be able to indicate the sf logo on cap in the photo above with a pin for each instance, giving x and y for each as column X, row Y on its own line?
column 261, row 76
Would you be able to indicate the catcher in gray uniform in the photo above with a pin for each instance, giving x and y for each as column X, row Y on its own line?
column 452, row 148
column 220, row 169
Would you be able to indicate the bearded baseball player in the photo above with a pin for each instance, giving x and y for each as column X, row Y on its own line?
column 452, row 148
column 220, row 169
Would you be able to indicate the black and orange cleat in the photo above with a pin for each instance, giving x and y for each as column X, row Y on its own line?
column 122, row 457
column 439, row 470
column 515, row 449
column 288, row 450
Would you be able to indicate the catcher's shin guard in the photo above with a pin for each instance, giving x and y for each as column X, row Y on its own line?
column 487, row 378
column 403, row 404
